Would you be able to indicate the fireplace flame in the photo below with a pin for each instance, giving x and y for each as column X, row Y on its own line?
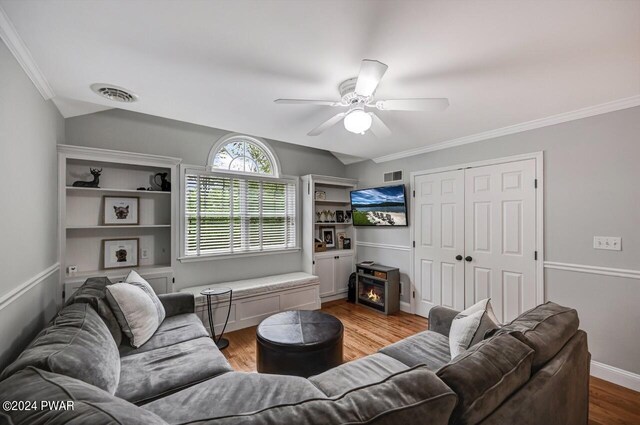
column 373, row 296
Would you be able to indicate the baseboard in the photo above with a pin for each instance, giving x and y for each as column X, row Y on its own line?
column 615, row 375
column 21, row 289
column 338, row 296
column 405, row 306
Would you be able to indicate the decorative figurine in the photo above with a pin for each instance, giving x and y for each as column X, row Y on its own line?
column 96, row 179
column 332, row 214
column 164, row 184
column 319, row 215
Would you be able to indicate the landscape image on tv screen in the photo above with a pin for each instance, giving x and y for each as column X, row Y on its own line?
column 381, row 206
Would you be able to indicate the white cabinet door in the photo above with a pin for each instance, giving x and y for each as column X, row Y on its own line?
column 344, row 268
column 324, row 268
column 439, row 239
column 500, row 224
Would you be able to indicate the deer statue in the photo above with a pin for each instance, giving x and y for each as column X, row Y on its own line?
column 94, row 183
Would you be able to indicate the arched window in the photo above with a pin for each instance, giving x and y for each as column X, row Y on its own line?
column 243, row 154
column 240, row 205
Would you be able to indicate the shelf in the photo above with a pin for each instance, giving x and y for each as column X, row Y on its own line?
column 332, row 201
column 332, row 224
column 124, row 226
column 373, row 277
column 330, row 252
column 102, row 189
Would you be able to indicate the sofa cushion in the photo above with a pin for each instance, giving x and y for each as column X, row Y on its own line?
column 409, row 397
column 364, row 371
column 546, row 328
column 85, row 404
column 174, row 330
column 158, row 372
column 78, row 344
column 485, row 375
column 233, row 393
column 93, row 292
column 428, row 348
column 558, row 394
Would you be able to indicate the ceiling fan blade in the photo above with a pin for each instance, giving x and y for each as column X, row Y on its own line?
column 425, row 104
column 307, row 102
column 328, row 123
column 378, row 127
column 371, row 72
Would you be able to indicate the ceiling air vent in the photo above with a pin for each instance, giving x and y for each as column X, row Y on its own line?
column 115, row 93
column 393, row 176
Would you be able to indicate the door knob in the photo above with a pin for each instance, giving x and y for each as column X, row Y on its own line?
column 459, row 257
column 468, row 258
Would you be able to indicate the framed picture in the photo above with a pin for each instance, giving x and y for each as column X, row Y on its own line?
column 320, row 195
column 339, row 216
column 347, row 216
column 121, row 210
column 346, row 243
column 120, row 253
column 328, row 236
column 340, row 238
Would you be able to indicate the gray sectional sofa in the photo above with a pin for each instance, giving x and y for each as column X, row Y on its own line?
column 532, row 371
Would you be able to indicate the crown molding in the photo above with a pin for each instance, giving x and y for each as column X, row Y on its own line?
column 108, row 155
column 19, row 50
column 603, row 108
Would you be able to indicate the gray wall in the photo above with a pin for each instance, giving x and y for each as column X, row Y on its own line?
column 592, row 187
column 134, row 132
column 30, row 127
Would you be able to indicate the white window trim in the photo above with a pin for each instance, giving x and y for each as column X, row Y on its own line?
column 224, row 140
column 185, row 169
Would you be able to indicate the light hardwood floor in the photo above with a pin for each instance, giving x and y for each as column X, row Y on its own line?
column 366, row 331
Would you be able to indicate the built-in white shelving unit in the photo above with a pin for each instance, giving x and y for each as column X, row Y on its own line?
column 81, row 225
column 333, row 266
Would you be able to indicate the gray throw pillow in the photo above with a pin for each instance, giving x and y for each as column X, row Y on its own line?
column 134, row 305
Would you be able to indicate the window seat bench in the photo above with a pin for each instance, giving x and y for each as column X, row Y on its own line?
column 255, row 299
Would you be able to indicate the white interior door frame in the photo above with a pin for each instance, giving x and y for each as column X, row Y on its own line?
column 539, row 158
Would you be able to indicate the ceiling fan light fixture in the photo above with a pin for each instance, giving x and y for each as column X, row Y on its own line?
column 357, row 121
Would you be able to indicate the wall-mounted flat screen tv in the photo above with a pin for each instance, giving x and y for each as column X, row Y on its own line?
column 380, row 206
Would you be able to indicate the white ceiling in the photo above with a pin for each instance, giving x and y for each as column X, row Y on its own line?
column 222, row 63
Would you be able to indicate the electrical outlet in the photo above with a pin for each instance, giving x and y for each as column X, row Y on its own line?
column 612, row 243
column 144, row 254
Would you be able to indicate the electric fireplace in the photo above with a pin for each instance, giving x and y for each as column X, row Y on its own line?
column 378, row 287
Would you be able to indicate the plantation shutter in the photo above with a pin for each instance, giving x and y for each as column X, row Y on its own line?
column 237, row 214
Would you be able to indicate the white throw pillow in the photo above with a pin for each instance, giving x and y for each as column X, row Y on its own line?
column 469, row 326
column 135, row 279
column 135, row 311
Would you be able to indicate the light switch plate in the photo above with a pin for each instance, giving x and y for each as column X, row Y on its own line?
column 612, row 243
column 144, row 254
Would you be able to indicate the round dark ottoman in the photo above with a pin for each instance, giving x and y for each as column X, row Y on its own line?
column 302, row 343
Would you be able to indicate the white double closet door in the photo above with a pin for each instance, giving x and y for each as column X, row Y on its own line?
column 475, row 238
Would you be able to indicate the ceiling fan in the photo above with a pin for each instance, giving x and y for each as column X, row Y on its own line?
column 357, row 95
